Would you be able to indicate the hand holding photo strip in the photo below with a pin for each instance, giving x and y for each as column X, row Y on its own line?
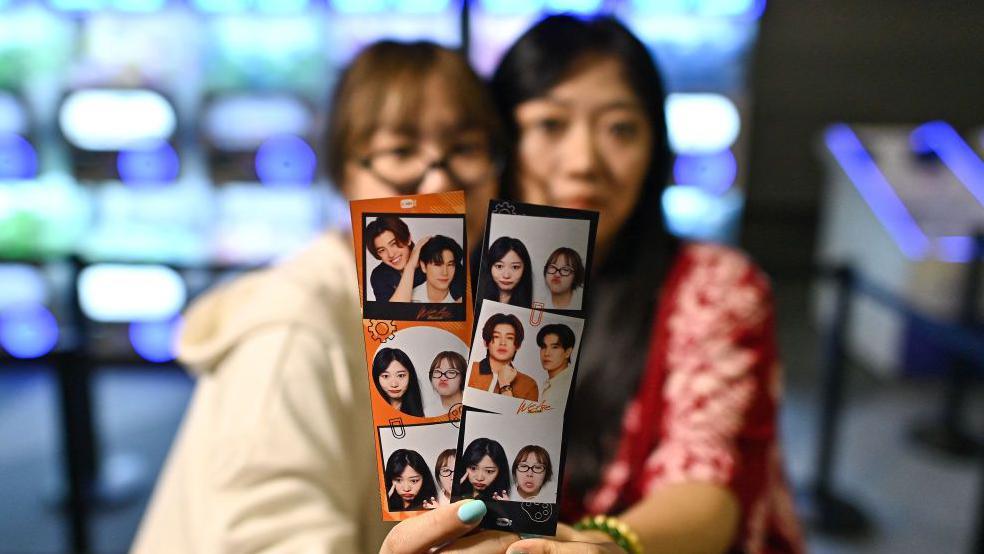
column 417, row 321
column 535, row 269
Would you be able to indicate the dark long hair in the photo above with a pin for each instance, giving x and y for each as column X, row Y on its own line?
column 395, row 465
column 522, row 293
column 478, row 449
column 625, row 284
column 410, row 404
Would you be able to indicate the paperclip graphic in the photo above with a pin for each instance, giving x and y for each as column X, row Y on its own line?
column 538, row 512
column 381, row 330
column 536, row 314
column 454, row 414
column 399, row 431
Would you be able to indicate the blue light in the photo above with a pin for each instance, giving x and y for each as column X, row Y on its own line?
column 512, row 7
column 221, row 6
column 692, row 213
column 154, row 165
column 18, row 159
column 138, row 6
column 155, row 341
column 744, row 9
column 575, row 6
column 714, row 173
column 876, row 191
column 358, row 6
column 76, row 5
column 28, row 331
column 281, row 6
column 21, row 283
column 285, row 160
column 943, row 140
column 421, row 6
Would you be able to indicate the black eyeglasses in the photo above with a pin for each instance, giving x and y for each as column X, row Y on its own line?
column 445, row 472
column 404, row 168
column 565, row 271
column 535, row 468
column 449, row 374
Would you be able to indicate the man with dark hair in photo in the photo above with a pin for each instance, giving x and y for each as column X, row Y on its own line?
column 564, row 276
column 556, row 342
column 442, row 262
column 388, row 240
column 503, row 336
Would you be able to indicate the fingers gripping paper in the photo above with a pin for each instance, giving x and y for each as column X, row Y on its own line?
column 486, row 423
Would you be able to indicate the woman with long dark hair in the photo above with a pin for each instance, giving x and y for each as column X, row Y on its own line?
column 507, row 273
column 396, row 381
column 675, row 430
column 486, row 471
column 408, row 481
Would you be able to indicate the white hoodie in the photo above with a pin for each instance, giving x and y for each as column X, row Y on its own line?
column 276, row 452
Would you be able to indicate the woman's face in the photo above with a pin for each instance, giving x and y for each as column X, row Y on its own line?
column 446, row 472
column 483, row 474
column 527, row 479
column 390, row 251
column 508, row 271
column 557, row 283
column 586, row 144
column 439, row 130
column 443, row 382
column 408, row 483
column 395, row 380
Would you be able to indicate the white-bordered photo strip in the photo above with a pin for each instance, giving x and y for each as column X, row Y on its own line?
column 421, row 371
column 417, row 463
column 438, row 277
column 532, row 261
column 522, row 361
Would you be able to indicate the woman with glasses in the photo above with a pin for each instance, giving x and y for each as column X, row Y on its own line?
column 447, row 376
column 444, row 474
column 564, row 277
column 275, row 452
column 531, row 470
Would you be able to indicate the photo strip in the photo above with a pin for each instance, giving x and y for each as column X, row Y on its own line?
column 522, row 366
column 415, row 266
column 416, row 351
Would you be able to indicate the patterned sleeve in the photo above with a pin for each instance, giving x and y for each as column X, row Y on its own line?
column 716, row 361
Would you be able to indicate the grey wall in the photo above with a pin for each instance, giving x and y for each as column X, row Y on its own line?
column 892, row 61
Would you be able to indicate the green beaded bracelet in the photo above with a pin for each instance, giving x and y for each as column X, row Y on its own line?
column 615, row 528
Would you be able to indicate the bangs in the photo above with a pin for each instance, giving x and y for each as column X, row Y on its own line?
column 385, row 87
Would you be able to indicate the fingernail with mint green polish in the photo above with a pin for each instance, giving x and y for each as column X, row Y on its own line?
column 471, row 511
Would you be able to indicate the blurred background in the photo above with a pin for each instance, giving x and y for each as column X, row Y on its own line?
column 151, row 148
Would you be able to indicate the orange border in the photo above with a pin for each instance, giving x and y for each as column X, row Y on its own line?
column 378, row 331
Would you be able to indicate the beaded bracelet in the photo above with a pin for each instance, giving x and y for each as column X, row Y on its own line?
column 614, row 528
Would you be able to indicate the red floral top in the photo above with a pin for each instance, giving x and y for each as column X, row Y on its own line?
column 707, row 405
